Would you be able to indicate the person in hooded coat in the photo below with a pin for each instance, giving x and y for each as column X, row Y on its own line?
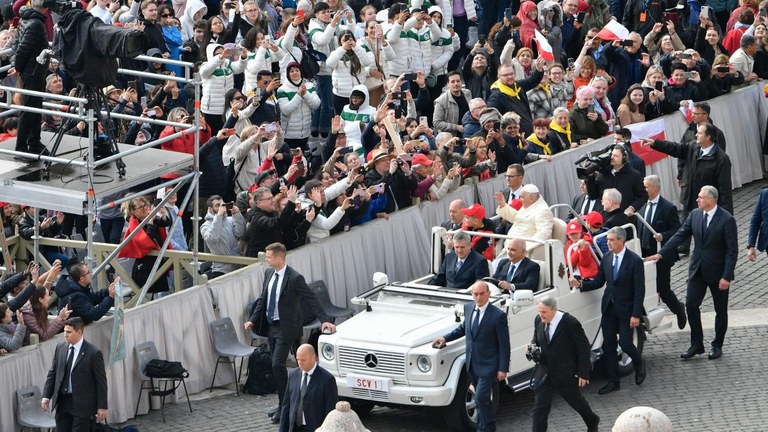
column 297, row 98
column 356, row 115
column 218, row 76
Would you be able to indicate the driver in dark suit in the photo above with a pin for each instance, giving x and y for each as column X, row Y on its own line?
column 277, row 314
column 462, row 266
column 517, row 271
column 76, row 386
column 306, row 412
column 486, row 335
column 565, row 352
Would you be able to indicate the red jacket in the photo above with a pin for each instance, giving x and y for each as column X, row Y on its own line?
column 182, row 144
column 583, row 259
column 141, row 244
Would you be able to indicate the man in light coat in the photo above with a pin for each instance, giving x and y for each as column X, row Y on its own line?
column 222, row 233
column 448, row 107
column 533, row 220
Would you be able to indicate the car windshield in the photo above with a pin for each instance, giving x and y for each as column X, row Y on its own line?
column 418, row 297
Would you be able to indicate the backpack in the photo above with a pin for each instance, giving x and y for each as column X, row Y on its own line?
column 310, row 61
column 260, row 379
column 157, row 368
column 232, row 173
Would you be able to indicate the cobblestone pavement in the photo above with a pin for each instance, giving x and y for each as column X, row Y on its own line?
column 697, row 395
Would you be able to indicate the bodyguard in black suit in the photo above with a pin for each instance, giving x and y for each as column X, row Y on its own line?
column 311, row 394
column 622, row 272
column 277, row 314
column 76, row 386
column 462, row 266
column 758, row 227
column 662, row 216
column 583, row 204
column 711, row 266
column 517, row 272
column 486, row 335
column 565, row 352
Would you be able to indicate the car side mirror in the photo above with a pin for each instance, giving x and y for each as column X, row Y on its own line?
column 521, row 299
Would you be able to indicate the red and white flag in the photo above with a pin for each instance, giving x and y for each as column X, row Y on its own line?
column 653, row 129
column 543, row 47
column 613, row 31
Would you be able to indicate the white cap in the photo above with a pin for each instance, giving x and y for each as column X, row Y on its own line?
column 530, row 188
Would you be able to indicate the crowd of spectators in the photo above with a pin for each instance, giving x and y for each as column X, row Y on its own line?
column 408, row 102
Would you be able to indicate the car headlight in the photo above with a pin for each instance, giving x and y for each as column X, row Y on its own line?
column 424, row 363
column 329, row 353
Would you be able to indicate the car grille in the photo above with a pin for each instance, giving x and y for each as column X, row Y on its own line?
column 391, row 365
column 370, row 394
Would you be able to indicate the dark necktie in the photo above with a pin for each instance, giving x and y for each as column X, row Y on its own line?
column 459, row 263
column 66, row 385
column 649, row 212
column 475, row 322
column 300, row 406
column 586, row 207
column 272, row 296
column 704, row 223
column 546, row 331
column 615, row 267
column 701, row 154
column 511, row 273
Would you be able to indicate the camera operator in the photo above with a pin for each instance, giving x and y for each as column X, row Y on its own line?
column 621, row 176
column 30, row 41
column 397, row 177
column 561, row 351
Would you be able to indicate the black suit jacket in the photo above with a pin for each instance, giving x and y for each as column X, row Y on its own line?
column 578, row 203
column 526, row 275
column 475, row 267
column 567, row 353
column 665, row 222
column 89, row 379
column 487, row 349
column 716, row 249
column 627, row 291
column 293, row 291
column 320, row 399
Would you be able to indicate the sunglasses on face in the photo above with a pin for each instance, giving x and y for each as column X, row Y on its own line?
column 167, row 15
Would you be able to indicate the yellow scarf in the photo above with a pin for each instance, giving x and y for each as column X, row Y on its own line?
column 513, row 92
column 532, row 138
column 567, row 131
column 545, row 87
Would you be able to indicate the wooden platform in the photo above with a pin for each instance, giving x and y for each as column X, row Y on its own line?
column 66, row 190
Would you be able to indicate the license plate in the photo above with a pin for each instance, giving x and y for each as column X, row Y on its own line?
column 368, row 383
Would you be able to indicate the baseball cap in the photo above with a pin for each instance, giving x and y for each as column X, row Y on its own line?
column 475, row 210
column 594, row 219
column 573, row 227
column 421, row 159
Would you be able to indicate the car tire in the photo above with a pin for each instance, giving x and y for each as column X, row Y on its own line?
column 626, row 366
column 361, row 408
column 461, row 414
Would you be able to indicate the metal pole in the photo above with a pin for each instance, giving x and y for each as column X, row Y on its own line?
column 9, row 112
column 35, row 156
column 195, row 210
column 133, row 233
column 156, row 265
column 152, row 75
column 75, row 100
column 41, row 111
column 90, row 258
column 35, row 236
column 142, row 147
column 145, row 191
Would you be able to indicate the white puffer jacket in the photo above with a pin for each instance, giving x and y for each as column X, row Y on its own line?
column 261, row 60
column 218, row 76
column 343, row 79
column 443, row 50
column 290, row 47
column 386, row 54
column 295, row 110
column 353, row 118
column 323, row 38
column 420, row 43
column 397, row 37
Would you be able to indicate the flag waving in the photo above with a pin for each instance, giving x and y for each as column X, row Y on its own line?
column 613, row 31
column 651, row 129
column 543, row 47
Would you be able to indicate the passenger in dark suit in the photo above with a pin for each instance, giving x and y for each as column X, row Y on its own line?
column 583, row 204
column 277, row 314
column 711, row 266
column 622, row 272
column 613, row 216
column 305, row 411
column 758, row 228
column 486, row 336
column 515, row 174
column 662, row 216
column 455, row 218
column 524, row 276
column 460, row 276
column 565, row 352
column 76, row 386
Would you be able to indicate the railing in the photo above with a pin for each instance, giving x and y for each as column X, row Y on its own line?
column 177, row 261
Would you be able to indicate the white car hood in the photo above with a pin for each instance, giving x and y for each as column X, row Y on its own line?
column 391, row 327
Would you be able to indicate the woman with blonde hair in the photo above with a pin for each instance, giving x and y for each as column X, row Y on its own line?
column 602, row 105
column 485, row 167
column 655, row 97
column 150, row 238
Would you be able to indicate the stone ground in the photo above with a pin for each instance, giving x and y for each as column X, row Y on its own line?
column 697, row 395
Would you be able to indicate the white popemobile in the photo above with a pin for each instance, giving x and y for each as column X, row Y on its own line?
column 384, row 354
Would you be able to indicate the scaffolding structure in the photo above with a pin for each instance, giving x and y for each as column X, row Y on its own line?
column 143, row 162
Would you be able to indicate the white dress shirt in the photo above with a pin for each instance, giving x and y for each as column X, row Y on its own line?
column 279, row 275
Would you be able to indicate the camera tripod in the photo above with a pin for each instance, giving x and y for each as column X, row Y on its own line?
column 96, row 100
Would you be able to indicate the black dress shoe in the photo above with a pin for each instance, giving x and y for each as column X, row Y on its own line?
column 640, row 375
column 593, row 426
column 275, row 418
column 716, row 353
column 610, row 387
column 682, row 319
column 692, row 351
column 273, row 411
column 682, row 250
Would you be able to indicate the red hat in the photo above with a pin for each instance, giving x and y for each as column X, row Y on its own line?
column 3, row 204
column 573, row 227
column 475, row 210
column 594, row 219
column 421, row 159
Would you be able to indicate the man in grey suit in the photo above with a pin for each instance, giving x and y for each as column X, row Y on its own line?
column 311, row 394
column 711, row 266
column 277, row 314
column 487, row 354
column 462, row 266
column 76, row 386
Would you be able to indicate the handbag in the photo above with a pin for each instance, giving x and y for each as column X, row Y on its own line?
column 157, row 368
column 232, row 174
column 310, row 60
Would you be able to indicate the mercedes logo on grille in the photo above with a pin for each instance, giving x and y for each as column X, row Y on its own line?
column 371, row 361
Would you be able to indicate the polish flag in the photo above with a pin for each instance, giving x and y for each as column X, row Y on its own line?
column 613, row 31
column 687, row 111
column 653, row 129
column 543, row 47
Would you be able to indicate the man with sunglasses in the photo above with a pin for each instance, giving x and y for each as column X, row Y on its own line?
column 75, row 289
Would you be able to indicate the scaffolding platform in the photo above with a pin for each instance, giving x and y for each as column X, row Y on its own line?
column 67, row 188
